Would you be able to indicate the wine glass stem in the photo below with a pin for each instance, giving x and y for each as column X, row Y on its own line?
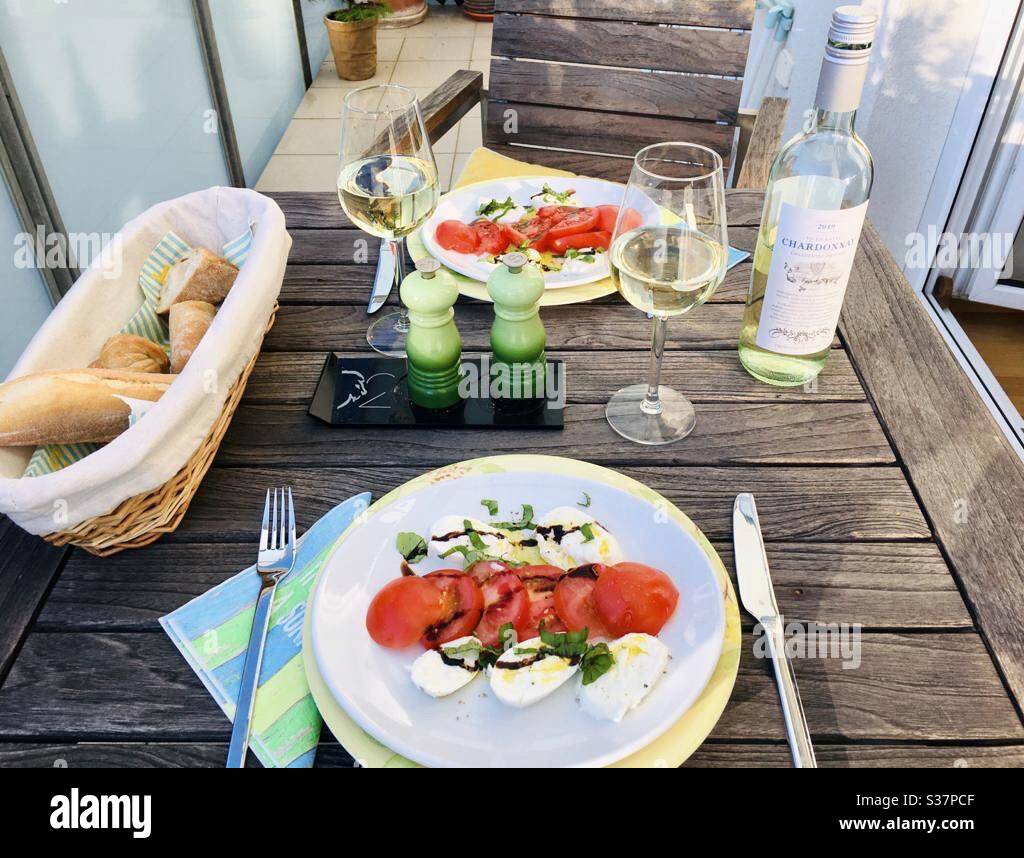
column 651, row 403
column 398, row 249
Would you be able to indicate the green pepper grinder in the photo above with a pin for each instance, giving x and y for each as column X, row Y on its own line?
column 432, row 346
column 517, row 335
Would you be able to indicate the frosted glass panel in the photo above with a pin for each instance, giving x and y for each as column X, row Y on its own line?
column 259, row 52
column 23, row 294
column 313, row 12
column 117, row 98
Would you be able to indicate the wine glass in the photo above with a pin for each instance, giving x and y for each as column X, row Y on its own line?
column 387, row 183
column 668, row 255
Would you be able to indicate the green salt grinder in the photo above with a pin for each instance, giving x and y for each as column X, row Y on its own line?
column 517, row 335
column 432, row 346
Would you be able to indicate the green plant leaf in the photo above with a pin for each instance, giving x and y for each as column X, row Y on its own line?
column 411, row 546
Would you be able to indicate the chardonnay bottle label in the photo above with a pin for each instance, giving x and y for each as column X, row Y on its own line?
column 807, row 278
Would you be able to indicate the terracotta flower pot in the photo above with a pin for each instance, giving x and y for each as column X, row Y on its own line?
column 480, row 10
column 405, row 13
column 354, row 46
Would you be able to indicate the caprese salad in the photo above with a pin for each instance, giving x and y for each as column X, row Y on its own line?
column 531, row 603
column 550, row 228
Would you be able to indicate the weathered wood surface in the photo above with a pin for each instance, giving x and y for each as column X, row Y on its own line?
column 738, row 14
column 936, row 687
column 838, row 433
column 764, row 143
column 653, row 95
column 621, row 43
column 28, row 566
column 446, row 104
column 712, row 754
column 874, row 584
column 819, row 504
column 968, row 477
column 586, row 327
column 704, row 376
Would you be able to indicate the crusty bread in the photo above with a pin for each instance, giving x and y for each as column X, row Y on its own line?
column 74, row 406
column 129, row 351
column 189, row 321
column 198, row 276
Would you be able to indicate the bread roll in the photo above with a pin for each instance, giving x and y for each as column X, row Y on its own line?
column 189, row 321
column 128, row 351
column 74, row 406
column 198, row 276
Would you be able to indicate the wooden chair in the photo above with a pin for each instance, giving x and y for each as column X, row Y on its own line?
column 573, row 85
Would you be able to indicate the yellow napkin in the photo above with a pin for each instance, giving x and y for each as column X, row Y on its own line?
column 486, row 166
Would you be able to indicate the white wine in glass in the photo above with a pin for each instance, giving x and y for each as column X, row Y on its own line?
column 668, row 255
column 387, row 182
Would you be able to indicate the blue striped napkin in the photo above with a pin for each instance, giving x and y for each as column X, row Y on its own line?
column 212, row 632
column 145, row 322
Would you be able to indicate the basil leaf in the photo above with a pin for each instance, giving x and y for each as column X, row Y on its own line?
column 494, row 209
column 524, row 522
column 491, row 505
column 588, row 531
column 585, row 503
column 471, row 555
column 411, row 546
column 597, row 661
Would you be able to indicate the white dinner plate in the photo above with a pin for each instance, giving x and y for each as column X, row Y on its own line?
column 470, row 727
column 462, row 205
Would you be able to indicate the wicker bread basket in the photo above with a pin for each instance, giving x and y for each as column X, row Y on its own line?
column 143, row 519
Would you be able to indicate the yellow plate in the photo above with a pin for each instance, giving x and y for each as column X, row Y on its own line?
column 668, row 750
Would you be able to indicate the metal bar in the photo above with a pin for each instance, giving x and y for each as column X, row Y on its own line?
column 300, row 30
column 219, row 90
column 30, row 190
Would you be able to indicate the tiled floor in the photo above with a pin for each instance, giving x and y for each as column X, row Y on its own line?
column 421, row 57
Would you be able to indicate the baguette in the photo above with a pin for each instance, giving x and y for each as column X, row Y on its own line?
column 198, row 276
column 128, row 351
column 74, row 406
column 189, row 321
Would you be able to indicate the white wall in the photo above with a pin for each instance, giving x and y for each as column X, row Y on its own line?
column 929, row 79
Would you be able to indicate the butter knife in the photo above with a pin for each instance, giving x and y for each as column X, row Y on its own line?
column 384, row 279
column 758, row 598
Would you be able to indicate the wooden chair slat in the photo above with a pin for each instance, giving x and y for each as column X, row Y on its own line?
column 737, row 14
column 621, row 43
column 667, row 95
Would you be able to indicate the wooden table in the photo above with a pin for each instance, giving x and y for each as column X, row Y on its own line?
column 888, row 498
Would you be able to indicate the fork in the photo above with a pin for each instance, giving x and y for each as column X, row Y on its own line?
column 275, row 560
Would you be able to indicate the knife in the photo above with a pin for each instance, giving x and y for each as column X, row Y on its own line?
column 384, row 279
column 758, row 598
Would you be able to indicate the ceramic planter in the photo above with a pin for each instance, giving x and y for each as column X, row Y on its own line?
column 354, row 46
column 405, row 13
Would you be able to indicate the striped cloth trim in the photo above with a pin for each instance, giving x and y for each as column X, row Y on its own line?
column 145, row 322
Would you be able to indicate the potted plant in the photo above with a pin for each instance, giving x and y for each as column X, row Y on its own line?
column 353, row 35
column 406, row 13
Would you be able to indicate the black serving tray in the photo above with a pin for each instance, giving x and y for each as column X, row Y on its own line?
column 371, row 391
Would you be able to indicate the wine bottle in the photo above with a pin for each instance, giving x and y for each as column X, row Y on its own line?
column 814, row 208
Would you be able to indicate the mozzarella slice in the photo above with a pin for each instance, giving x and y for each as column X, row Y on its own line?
column 562, row 542
column 439, row 678
column 640, row 660
column 535, row 679
column 449, row 531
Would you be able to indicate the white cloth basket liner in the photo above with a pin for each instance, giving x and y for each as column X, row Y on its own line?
column 153, row 450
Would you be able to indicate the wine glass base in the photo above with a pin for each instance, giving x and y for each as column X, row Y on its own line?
column 675, row 420
column 387, row 335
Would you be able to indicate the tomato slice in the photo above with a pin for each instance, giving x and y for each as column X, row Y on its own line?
column 464, row 605
column 580, row 241
column 455, row 235
column 575, row 221
column 484, row 569
column 505, row 601
column 540, row 582
column 574, row 600
column 631, row 219
column 492, row 239
column 632, row 597
column 513, row 236
column 554, row 213
column 606, row 217
column 403, row 610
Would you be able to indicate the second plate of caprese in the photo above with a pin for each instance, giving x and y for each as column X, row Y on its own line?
column 518, row 611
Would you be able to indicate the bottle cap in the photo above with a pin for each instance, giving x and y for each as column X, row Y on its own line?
column 514, row 262
column 852, row 32
column 428, row 267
